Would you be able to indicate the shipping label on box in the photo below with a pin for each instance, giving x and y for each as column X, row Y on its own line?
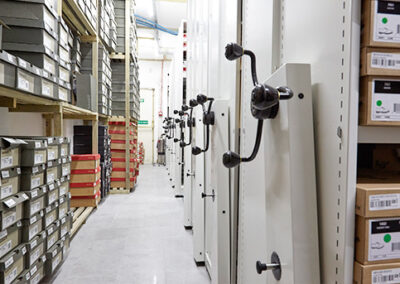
column 385, row 100
column 387, row 21
column 380, row 61
column 384, row 239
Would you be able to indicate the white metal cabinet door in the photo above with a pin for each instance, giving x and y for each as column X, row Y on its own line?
column 218, row 240
column 187, row 182
column 198, row 188
column 289, row 181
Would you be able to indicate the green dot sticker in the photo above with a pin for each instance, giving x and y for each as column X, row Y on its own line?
column 384, row 20
column 378, row 103
column 387, row 238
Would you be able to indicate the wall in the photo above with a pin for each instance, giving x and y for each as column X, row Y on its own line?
column 150, row 78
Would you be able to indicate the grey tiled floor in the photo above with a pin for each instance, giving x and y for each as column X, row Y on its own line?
column 137, row 238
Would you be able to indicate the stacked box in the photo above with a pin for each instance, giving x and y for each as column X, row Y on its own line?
column 118, row 149
column 39, row 38
column 119, row 9
column 104, row 75
column 85, row 180
column 82, row 144
column 107, row 28
column 118, row 89
column 380, row 63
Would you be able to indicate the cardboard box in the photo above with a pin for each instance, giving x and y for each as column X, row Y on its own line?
column 12, row 264
column 120, row 182
column 37, row 270
column 36, row 248
column 36, row 201
column 380, row 61
column 120, row 163
column 34, row 152
column 11, row 209
column 378, row 200
column 67, row 240
column 50, row 215
column 379, row 101
column 84, row 162
column 86, row 201
column 65, row 167
column 64, row 186
column 32, row 177
column 120, row 144
column 9, row 182
column 52, row 234
column 377, row 240
column 32, row 227
column 52, row 194
column 23, row 278
column 376, row 273
column 64, row 150
column 115, row 153
column 53, row 258
column 380, row 23
column 53, row 171
column 64, row 206
column 81, row 190
column 10, row 238
column 10, row 152
column 85, row 176
column 66, row 224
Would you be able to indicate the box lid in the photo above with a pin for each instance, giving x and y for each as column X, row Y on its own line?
column 12, row 257
column 36, row 217
column 9, row 173
column 7, row 142
column 32, row 244
column 55, row 163
column 38, row 264
column 11, row 229
column 14, row 200
column 36, row 193
column 86, row 157
column 33, row 170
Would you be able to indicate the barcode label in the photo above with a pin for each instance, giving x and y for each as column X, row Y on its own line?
column 9, row 220
column 39, row 159
column 50, row 220
column 51, row 241
column 6, row 162
column 387, row 276
column 384, row 201
column 35, row 182
column 33, row 232
column 35, row 256
column 5, row 248
column 11, row 276
column 6, row 191
column 35, row 207
column 51, row 154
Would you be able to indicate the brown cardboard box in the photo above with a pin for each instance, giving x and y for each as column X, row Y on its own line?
column 380, row 61
column 378, row 199
column 120, row 154
column 9, row 182
column 85, row 191
column 86, row 201
column 380, row 101
column 377, row 273
column 380, row 20
column 377, row 240
column 12, row 264
column 85, row 162
column 10, row 238
column 83, row 176
column 120, row 174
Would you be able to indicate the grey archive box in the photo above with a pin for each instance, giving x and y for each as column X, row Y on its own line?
column 51, row 214
column 36, row 248
column 30, row 39
column 32, row 226
column 8, row 67
column 64, row 91
column 54, row 257
column 36, row 201
column 37, row 270
column 28, row 14
column 10, row 238
column 53, row 234
column 86, row 91
column 52, row 193
column 32, row 177
column 13, row 264
column 28, row 77
column 34, row 153
column 11, row 209
column 10, row 182
column 49, row 86
column 65, row 166
column 53, row 171
column 102, row 109
column 42, row 60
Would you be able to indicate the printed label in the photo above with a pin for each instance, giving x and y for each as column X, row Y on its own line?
column 65, row 170
column 6, row 162
column 45, row 73
column 10, row 203
column 33, row 243
column 35, row 207
column 63, row 190
column 38, row 144
column 62, row 212
column 33, row 231
column 385, row 60
column 33, row 269
column 387, row 276
column 34, row 193
column 56, row 262
column 35, row 182
column 50, row 220
column 23, row 84
column 49, row 66
column 5, row 174
column 51, row 186
column 384, row 202
column 22, row 63
column 63, row 231
column 51, row 155
column 62, row 94
column 63, row 152
column 36, row 279
column 6, row 191
column 35, row 170
column 3, row 234
column 46, row 90
column 51, row 241
column 50, row 231
column 11, row 276
column 385, row 100
column 9, row 220
column 384, row 239
column 48, row 42
column 10, row 58
column 33, row 220
column 52, row 197
column 50, row 177
column 387, row 27
column 39, row 159
column 9, row 262
column 35, row 256
column 5, row 248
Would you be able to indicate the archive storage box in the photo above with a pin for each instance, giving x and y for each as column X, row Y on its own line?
column 13, row 264
column 53, row 258
column 10, row 182
column 377, row 61
column 10, row 238
column 50, row 214
column 8, row 67
column 52, row 234
column 36, row 202
column 32, row 227
column 10, row 152
column 11, row 209
column 32, row 177
column 35, row 249
column 37, row 270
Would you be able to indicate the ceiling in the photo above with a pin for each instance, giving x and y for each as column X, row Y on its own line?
column 154, row 44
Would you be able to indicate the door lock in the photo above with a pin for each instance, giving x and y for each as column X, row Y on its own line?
column 204, row 195
column 274, row 266
column 190, row 122
column 264, row 103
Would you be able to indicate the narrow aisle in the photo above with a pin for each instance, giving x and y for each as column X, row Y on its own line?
column 136, row 238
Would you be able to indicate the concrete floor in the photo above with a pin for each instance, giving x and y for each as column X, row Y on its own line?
column 136, row 238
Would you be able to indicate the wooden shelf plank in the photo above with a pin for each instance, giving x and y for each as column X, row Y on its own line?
column 81, row 219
